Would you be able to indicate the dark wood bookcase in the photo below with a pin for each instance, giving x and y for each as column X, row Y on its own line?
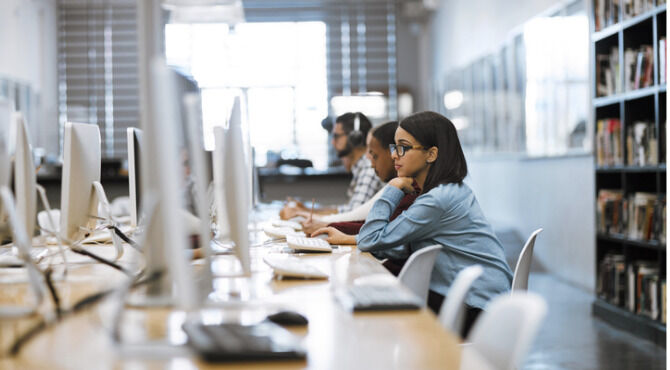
column 629, row 106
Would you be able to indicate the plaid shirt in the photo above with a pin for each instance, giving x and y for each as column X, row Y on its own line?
column 363, row 185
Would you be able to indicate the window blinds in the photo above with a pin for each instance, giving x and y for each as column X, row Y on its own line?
column 97, row 64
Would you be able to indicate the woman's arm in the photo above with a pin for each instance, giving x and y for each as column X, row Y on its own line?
column 415, row 223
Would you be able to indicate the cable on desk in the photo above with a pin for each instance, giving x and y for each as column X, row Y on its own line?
column 81, row 305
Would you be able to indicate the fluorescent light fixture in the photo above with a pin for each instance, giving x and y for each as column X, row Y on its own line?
column 453, row 99
column 205, row 11
column 373, row 106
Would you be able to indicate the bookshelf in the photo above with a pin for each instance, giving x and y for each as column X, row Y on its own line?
column 629, row 108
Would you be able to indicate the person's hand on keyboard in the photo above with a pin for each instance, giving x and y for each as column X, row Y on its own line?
column 335, row 236
column 310, row 226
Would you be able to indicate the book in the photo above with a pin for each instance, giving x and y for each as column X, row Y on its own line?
column 641, row 144
column 662, row 66
column 609, row 212
column 609, row 151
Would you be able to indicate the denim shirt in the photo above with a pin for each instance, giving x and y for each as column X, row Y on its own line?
column 448, row 215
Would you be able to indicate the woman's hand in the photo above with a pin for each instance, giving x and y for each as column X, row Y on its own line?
column 310, row 226
column 403, row 183
column 335, row 236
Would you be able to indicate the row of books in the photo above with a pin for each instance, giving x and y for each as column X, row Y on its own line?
column 635, row 287
column 641, row 144
column 638, row 67
column 606, row 12
column 639, row 216
column 609, row 151
column 608, row 76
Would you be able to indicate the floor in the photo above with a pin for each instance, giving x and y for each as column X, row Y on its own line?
column 571, row 338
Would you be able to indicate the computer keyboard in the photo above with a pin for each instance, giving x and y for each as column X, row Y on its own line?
column 235, row 342
column 294, row 267
column 280, row 232
column 300, row 243
column 377, row 298
column 287, row 224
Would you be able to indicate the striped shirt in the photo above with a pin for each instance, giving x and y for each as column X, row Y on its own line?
column 363, row 186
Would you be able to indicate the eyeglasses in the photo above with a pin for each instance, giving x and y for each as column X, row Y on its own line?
column 402, row 149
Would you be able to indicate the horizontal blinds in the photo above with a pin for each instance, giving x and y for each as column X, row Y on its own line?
column 97, row 63
column 361, row 39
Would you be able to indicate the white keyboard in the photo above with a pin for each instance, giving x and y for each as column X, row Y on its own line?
column 280, row 232
column 294, row 267
column 301, row 243
column 287, row 224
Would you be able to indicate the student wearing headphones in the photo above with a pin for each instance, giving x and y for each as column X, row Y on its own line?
column 342, row 228
column 348, row 139
column 427, row 150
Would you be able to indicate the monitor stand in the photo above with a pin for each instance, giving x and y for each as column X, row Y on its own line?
column 21, row 241
column 102, row 198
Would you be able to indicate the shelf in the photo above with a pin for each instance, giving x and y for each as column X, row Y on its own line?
column 628, row 95
column 630, row 169
column 613, row 29
column 651, row 244
column 639, row 325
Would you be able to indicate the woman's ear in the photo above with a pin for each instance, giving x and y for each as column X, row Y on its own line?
column 432, row 154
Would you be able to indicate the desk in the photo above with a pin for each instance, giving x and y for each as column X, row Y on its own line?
column 334, row 338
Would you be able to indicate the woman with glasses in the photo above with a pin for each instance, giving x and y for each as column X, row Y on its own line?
column 427, row 150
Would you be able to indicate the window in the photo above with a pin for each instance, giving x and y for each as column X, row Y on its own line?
column 278, row 67
column 97, row 69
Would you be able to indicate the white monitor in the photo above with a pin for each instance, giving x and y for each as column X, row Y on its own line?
column 161, row 177
column 5, row 162
column 134, row 165
column 81, row 169
column 231, row 185
column 25, row 179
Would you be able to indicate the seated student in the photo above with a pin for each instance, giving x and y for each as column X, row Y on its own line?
column 348, row 139
column 427, row 150
column 343, row 226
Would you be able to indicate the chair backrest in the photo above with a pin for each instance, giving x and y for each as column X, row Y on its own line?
column 415, row 274
column 520, row 281
column 452, row 312
column 505, row 330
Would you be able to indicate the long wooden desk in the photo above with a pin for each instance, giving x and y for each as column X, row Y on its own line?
column 334, row 338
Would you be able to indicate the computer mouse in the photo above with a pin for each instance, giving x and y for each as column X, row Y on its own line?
column 288, row 318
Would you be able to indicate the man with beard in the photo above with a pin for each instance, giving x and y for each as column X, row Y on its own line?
column 348, row 139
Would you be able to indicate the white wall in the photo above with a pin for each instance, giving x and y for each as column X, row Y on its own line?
column 524, row 194
column 28, row 53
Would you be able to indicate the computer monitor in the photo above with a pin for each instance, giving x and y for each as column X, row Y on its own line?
column 161, row 177
column 25, row 179
column 81, row 190
column 81, row 168
column 134, row 165
column 5, row 162
column 193, row 122
column 231, row 185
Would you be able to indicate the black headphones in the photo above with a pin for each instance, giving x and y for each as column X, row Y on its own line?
column 356, row 137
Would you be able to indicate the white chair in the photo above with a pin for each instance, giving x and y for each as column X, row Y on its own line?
column 505, row 330
column 452, row 313
column 415, row 274
column 520, row 281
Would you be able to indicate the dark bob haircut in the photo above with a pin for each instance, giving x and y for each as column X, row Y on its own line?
column 385, row 133
column 433, row 129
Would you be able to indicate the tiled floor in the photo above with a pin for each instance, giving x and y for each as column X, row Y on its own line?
column 571, row 338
